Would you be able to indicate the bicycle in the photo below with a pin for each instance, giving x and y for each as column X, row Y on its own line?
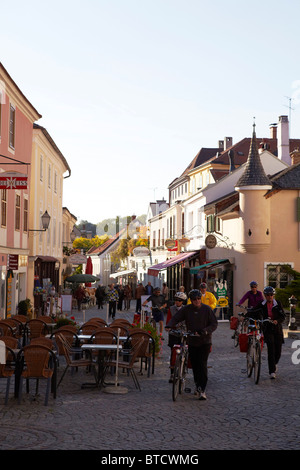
column 242, row 325
column 255, row 341
column 181, row 364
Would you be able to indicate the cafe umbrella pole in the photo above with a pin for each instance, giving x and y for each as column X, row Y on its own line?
column 117, row 389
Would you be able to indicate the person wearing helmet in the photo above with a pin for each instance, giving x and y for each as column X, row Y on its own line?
column 254, row 296
column 273, row 333
column 179, row 298
column 200, row 320
column 158, row 304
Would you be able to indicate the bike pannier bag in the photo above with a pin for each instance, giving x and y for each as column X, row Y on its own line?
column 233, row 323
column 243, row 342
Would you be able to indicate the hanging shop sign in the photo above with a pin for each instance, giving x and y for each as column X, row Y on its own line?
column 78, row 259
column 210, row 241
column 13, row 180
column 13, row 262
column 141, row 251
column 171, row 245
column 184, row 241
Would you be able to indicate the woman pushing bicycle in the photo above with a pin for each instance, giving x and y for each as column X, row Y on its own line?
column 273, row 333
column 201, row 320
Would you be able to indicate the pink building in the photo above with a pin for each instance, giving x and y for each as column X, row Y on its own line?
column 17, row 116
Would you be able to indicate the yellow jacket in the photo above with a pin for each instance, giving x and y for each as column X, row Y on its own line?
column 208, row 299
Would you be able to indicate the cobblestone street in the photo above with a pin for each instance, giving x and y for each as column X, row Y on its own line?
column 237, row 414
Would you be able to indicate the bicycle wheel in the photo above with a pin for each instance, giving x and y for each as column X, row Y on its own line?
column 236, row 338
column 257, row 361
column 250, row 358
column 176, row 377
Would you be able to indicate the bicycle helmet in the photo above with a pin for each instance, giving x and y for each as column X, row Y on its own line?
column 156, row 289
column 253, row 284
column 203, row 285
column 194, row 293
column 269, row 290
column 180, row 296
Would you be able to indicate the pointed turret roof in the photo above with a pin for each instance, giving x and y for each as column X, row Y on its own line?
column 254, row 174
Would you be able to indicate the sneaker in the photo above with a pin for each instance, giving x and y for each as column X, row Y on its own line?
column 273, row 375
column 197, row 392
column 202, row 396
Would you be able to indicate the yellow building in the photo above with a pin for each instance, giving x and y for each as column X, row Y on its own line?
column 48, row 167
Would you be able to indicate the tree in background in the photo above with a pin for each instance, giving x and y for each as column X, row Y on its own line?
column 293, row 288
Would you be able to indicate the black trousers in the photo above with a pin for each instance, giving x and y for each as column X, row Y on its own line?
column 274, row 344
column 199, row 356
column 112, row 308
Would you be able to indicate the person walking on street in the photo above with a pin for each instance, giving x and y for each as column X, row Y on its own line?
column 207, row 298
column 273, row 333
column 200, row 320
column 127, row 296
column 158, row 304
column 140, row 290
column 112, row 297
column 100, row 295
column 253, row 296
column 79, row 295
column 149, row 289
column 165, row 292
column 179, row 298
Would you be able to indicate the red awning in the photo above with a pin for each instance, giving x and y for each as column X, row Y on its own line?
column 154, row 270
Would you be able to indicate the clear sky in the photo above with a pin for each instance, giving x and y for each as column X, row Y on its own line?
column 130, row 90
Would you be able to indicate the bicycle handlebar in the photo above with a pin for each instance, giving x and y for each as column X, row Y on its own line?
column 186, row 333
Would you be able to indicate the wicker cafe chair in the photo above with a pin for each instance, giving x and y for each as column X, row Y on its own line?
column 36, row 328
column 22, row 318
column 89, row 327
column 6, row 329
column 129, row 366
column 43, row 341
column 45, row 318
column 98, row 320
column 121, row 322
column 38, row 362
column 70, row 362
column 104, row 336
column 146, row 353
column 6, row 370
column 122, row 330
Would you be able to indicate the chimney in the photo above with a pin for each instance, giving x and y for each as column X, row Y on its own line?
column 221, row 144
column 283, row 142
column 227, row 142
column 295, row 156
column 273, row 131
column 231, row 160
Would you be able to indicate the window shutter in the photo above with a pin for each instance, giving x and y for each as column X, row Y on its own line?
column 298, row 209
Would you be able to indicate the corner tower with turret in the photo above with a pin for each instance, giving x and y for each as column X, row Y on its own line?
column 254, row 206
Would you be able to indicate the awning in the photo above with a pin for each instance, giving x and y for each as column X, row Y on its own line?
column 154, row 270
column 212, row 264
column 122, row 273
column 47, row 259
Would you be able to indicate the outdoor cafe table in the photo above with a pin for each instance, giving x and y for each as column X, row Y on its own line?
column 102, row 358
column 88, row 337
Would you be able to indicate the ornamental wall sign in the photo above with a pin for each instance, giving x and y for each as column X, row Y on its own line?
column 210, row 241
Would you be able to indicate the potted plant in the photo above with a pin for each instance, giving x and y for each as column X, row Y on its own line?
column 25, row 308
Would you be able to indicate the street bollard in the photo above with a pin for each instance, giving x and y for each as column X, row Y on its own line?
column 292, row 322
